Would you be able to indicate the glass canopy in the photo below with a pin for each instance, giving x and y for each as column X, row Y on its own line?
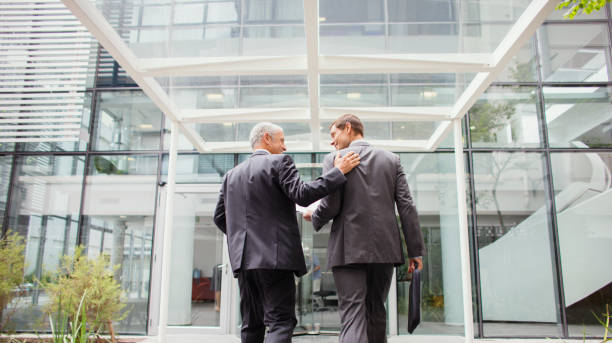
column 407, row 68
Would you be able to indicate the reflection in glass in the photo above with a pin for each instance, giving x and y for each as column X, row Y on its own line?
column 583, row 187
column 45, row 211
column 578, row 117
column 518, row 286
column 433, row 187
column 118, row 221
column 574, row 53
column 505, row 117
column 522, row 67
column 126, row 120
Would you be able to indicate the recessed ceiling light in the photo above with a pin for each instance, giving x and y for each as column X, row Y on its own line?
column 145, row 126
column 429, row 94
column 214, row 97
column 353, row 95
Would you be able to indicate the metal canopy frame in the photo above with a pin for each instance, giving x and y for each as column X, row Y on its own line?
column 485, row 66
column 143, row 71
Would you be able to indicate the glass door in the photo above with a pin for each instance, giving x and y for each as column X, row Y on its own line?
column 317, row 300
column 199, row 270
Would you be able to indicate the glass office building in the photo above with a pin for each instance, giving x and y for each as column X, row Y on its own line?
column 87, row 154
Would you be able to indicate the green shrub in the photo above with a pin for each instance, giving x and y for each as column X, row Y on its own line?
column 90, row 282
column 11, row 272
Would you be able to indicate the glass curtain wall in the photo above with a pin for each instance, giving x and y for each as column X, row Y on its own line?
column 538, row 152
column 44, row 209
column 538, row 144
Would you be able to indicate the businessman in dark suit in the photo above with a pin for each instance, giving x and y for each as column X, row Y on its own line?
column 256, row 210
column 365, row 241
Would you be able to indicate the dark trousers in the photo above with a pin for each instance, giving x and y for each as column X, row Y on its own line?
column 362, row 293
column 267, row 298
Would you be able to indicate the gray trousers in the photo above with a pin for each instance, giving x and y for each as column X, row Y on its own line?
column 267, row 298
column 362, row 293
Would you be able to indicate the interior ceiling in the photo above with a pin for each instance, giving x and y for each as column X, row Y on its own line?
column 305, row 82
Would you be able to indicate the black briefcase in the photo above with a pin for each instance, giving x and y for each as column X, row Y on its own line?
column 414, row 307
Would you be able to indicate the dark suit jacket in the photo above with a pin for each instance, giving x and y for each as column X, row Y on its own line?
column 256, row 210
column 365, row 226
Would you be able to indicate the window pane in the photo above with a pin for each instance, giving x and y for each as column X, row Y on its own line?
column 209, row 168
column 517, row 287
column 118, row 221
column 339, row 39
column 6, row 163
column 208, row 40
column 285, row 40
column 273, row 11
column 574, row 53
column 81, row 102
column 505, row 117
column 522, row 67
column 433, row 187
column 126, row 120
column 578, row 117
column 584, row 211
column 45, row 210
column 351, row 11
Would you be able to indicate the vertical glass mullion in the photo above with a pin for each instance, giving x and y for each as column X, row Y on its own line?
column 474, row 235
column 550, row 195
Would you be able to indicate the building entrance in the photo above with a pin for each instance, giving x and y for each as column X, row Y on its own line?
column 198, row 263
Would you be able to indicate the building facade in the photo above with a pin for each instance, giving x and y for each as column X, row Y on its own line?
column 538, row 151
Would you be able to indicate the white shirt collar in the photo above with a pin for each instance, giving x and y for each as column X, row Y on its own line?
column 264, row 150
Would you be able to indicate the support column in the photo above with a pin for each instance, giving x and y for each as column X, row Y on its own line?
column 463, row 234
column 167, row 253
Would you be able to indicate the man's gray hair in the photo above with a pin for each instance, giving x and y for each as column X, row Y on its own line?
column 258, row 132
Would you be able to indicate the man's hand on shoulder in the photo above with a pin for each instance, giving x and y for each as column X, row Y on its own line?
column 347, row 162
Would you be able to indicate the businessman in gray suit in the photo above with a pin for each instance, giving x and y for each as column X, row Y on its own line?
column 365, row 241
column 256, row 210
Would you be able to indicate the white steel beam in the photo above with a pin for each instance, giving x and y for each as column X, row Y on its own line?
column 464, row 243
column 231, row 65
column 311, row 27
column 393, row 145
column 91, row 18
column 237, row 115
column 168, row 232
column 416, row 113
column 244, row 146
column 438, row 135
column 405, row 63
column 292, row 65
column 224, row 115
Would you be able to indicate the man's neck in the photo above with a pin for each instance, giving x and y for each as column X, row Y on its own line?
column 356, row 138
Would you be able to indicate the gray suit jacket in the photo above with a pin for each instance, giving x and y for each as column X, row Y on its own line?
column 256, row 210
column 365, row 227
